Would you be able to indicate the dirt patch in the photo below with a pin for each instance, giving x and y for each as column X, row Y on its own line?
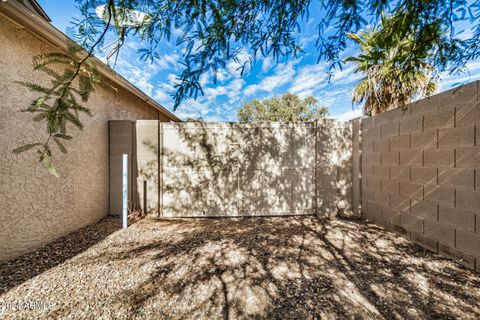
column 284, row 268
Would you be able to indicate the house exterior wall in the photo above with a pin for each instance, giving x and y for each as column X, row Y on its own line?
column 420, row 172
column 36, row 207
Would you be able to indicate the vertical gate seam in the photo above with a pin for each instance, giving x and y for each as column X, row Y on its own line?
column 360, row 164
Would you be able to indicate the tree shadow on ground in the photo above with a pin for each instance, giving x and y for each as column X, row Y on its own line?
column 16, row 271
column 290, row 268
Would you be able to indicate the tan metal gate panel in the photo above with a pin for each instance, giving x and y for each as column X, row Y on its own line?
column 231, row 169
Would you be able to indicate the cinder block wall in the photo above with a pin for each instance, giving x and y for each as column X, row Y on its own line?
column 420, row 172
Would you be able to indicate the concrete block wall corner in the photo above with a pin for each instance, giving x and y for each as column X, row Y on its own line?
column 416, row 172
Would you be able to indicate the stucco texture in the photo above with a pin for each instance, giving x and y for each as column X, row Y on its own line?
column 37, row 207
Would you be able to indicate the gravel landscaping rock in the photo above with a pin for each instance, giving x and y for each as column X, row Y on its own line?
column 18, row 270
column 276, row 268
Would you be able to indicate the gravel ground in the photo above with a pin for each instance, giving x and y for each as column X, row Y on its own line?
column 14, row 272
column 283, row 268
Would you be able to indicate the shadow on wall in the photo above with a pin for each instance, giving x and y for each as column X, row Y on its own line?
column 334, row 167
column 231, row 169
column 238, row 169
column 290, row 268
column 147, row 176
column 420, row 172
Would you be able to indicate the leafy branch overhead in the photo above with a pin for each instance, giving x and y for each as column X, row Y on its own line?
column 59, row 104
column 212, row 33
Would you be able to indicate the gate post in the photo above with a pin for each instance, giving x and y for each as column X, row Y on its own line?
column 316, row 167
column 121, row 141
column 160, row 170
column 147, row 165
column 357, row 126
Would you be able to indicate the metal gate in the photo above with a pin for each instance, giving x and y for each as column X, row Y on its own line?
column 198, row 169
column 232, row 169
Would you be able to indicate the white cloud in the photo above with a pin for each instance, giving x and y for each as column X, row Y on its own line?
column 267, row 63
column 142, row 74
column 162, row 95
column 140, row 77
column 193, row 109
column 221, row 101
column 306, row 40
column 283, row 74
column 306, row 93
column 223, row 75
column 349, row 115
column 308, row 79
column 208, row 111
column 231, row 89
column 204, row 79
column 472, row 73
column 234, row 67
column 213, row 93
column 172, row 77
column 234, row 87
column 251, row 89
column 312, row 78
column 345, row 76
column 168, row 61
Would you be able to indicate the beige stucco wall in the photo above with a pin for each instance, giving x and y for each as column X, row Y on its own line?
column 36, row 207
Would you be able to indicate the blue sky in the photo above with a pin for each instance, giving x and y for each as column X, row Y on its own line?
column 266, row 78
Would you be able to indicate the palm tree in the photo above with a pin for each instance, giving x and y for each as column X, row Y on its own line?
column 397, row 68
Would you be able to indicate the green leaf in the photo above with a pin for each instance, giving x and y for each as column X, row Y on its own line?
column 60, row 145
column 63, row 136
column 85, row 87
column 73, row 120
column 39, row 102
column 48, row 71
column 63, row 126
column 47, row 152
column 85, row 110
column 26, row 147
column 46, row 161
column 34, row 87
column 40, row 117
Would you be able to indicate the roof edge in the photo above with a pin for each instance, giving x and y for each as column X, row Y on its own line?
column 45, row 31
column 40, row 10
